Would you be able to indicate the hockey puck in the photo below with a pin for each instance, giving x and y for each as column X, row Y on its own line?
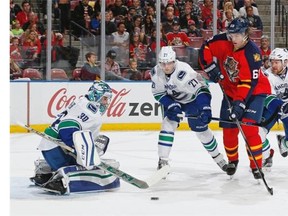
column 154, row 198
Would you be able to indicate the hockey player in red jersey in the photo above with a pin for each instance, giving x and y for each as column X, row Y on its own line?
column 245, row 86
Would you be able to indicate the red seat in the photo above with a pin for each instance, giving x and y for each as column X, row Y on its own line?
column 196, row 42
column 32, row 74
column 58, row 74
column 180, row 50
column 76, row 74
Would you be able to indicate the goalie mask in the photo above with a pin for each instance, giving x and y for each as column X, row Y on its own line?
column 278, row 60
column 100, row 93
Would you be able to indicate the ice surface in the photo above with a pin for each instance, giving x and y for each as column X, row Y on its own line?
column 195, row 186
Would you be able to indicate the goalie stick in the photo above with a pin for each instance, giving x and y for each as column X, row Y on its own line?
column 142, row 184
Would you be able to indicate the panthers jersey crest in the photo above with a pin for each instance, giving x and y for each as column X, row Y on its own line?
column 230, row 65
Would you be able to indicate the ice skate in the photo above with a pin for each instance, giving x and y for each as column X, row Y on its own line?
column 281, row 143
column 268, row 162
column 257, row 174
column 55, row 186
column 221, row 162
column 40, row 179
column 162, row 162
column 231, row 168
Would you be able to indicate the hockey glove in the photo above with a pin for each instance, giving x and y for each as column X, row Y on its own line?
column 213, row 72
column 172, row 111
column 206, row 115
column 284, row 110
column 237, row 111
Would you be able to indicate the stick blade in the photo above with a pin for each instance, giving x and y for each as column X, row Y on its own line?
column 158, row 175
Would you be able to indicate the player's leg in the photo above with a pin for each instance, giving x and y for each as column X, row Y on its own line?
column 230, row 139
column 165, row 141
column 283, row 140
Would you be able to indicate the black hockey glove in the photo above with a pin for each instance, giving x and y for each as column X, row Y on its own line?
column 213, row 72
column 172, row 111
column 237, row 111
column 206, row 115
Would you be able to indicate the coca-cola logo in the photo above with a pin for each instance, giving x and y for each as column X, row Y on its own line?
column 60, row 100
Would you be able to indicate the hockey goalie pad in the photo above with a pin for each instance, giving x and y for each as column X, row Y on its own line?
column 74, row 179
column 87, row 156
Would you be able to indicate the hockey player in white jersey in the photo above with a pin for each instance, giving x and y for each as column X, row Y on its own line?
column 62, row 172
column 179, row 89
column 276, row 104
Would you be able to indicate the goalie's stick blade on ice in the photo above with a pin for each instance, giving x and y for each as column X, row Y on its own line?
column 154, row 179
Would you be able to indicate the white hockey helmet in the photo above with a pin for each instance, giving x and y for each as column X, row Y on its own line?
column 97, row 91
column 167, row 54
column 279, row 54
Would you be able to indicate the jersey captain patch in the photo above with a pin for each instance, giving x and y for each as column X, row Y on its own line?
column 230, row 65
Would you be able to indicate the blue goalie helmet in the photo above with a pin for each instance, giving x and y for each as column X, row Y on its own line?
column 100, row 93
column 238, row 25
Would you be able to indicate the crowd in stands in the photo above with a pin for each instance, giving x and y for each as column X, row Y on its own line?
column 130, row 26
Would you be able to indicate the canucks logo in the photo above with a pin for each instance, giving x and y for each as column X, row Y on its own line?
column 230, row 66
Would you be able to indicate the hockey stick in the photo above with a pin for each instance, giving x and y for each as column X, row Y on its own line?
column 222, row 120
column 154, row 179
column 269, row 189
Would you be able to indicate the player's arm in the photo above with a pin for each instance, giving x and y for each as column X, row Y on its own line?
column 249, row 74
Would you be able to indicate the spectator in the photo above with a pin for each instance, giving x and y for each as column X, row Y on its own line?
column 207, row 15
column 65, row 16
column 31, row 48
column 148, row 25
column 133, row 73
column 255, row 21
column 56, row 43
column 229, row 5
column 16, row 51
column 228, row 19
column 112, row 68
column 32, row 19
column 16, row 29
column 110, row 26
column 121, row 36
column 15, row 70
column 90, row 70
column 22, row 16
column 82, row 16
column 95, row 23
column 188, row 16
column 247, row 3
column 119, row 9
column 177, row 37
column 265, row 64
column 137, row 5
column 137, row 50
column 14, row 10
column 192, row 31
column 265, row 46
column 167, row 24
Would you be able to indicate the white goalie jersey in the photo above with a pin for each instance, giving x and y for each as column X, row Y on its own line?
column 183, row 85
column 279, row 84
